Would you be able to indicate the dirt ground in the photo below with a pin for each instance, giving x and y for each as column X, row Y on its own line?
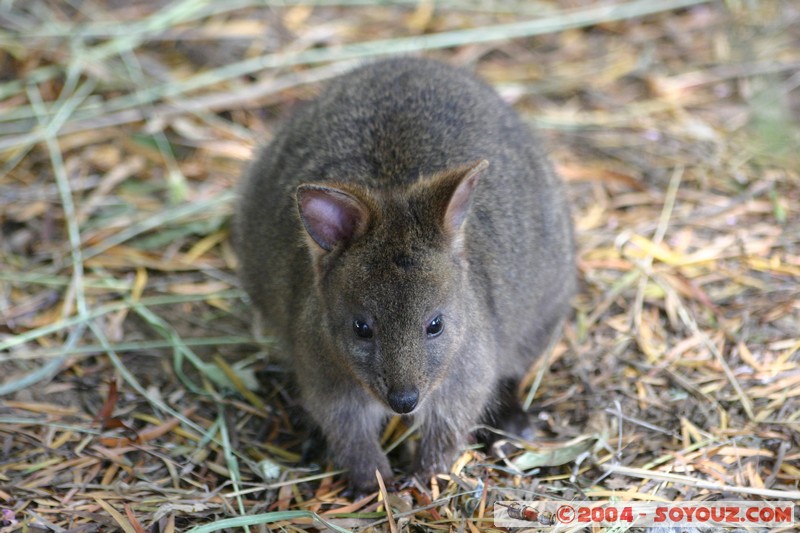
column 133, row 396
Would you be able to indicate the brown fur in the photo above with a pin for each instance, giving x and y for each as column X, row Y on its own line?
column 375, row 203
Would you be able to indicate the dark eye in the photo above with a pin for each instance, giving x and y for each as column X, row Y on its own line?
column 436, row 327
column 362, row 329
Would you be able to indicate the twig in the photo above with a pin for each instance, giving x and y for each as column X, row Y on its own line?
column 699, row 483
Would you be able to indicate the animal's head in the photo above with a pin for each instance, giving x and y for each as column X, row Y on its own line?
column 390, row 270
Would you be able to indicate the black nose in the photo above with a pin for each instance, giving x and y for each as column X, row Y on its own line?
column 403, row 400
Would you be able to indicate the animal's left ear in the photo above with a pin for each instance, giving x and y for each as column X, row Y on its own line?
column 461, row 197
column 331, row 216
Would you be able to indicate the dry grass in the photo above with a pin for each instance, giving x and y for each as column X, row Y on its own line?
column 133, row 397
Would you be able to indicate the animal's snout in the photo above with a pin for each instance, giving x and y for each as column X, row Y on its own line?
column 403, row 400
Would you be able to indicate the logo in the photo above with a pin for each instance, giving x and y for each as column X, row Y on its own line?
column 551, row 514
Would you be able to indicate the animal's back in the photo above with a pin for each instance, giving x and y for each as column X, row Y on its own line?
column 385, row 125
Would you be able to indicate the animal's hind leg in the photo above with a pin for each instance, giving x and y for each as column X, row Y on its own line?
column 506, row 414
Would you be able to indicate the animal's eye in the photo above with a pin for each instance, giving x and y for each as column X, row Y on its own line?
column 435, row 327
column 362, row 329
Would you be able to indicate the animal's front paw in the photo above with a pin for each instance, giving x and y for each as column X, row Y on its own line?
column 428, row 465
column 362, row 479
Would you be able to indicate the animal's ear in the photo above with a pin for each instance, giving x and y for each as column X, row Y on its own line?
column 330, row 215
column 465, row 180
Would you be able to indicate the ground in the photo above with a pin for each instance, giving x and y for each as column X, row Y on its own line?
column 133, row 396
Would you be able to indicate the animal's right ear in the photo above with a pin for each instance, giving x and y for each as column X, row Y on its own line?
column 330, row 215
column 461, row 198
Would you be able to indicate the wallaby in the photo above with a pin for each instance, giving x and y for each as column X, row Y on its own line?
column 408, row 245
